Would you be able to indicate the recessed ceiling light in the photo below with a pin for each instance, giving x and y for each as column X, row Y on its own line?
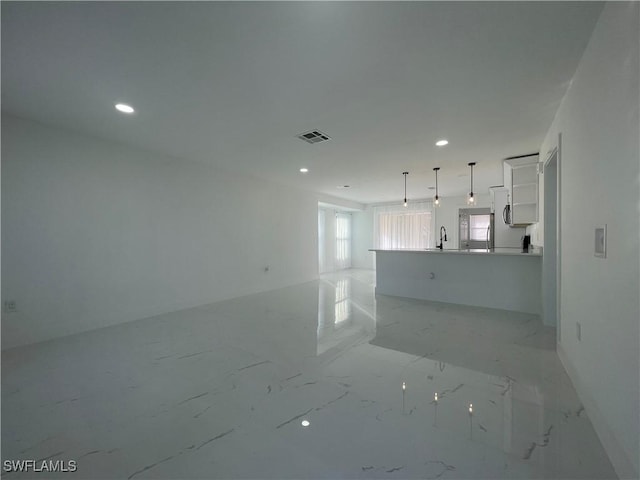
column 344, row 186
column 305, row 423
column 124, row 108
column 304, row 170
column 442, row 143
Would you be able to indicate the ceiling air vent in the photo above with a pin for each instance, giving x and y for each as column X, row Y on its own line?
column 314, row 136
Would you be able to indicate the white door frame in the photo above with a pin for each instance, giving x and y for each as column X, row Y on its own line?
column 556, row 152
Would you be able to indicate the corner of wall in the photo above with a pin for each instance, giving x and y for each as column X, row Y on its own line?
column 621, row 463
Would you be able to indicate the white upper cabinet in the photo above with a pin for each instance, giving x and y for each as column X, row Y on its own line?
column 521, row 178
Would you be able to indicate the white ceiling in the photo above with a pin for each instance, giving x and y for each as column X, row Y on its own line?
column 232, row 84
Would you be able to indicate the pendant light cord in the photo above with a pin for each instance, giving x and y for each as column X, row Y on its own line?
column 405, row 187
column 436, row 200
column 471, row 164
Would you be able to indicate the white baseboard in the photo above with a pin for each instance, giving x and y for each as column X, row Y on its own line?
column 619, row 459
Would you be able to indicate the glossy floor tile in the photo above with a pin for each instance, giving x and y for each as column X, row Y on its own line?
column 222, row 391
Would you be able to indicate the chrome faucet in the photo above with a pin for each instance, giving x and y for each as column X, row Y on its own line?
column 445, row 237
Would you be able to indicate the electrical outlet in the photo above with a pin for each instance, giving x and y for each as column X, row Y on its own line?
column 579, row 331
column 601, row 242
column 10, row 306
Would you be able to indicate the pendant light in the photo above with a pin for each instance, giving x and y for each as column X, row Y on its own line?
column 436, row 200
column 470, row 199
column 405, row 187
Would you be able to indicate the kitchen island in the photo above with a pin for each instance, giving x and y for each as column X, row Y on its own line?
column 505, row 278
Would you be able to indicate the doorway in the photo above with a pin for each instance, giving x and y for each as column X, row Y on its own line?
column 551, row 257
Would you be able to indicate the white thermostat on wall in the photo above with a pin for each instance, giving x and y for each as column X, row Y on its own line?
column 601, row 242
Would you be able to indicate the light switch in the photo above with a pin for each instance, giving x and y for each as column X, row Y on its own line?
column 601, row 242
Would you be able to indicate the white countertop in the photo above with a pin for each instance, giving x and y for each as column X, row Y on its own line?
column 470, row 251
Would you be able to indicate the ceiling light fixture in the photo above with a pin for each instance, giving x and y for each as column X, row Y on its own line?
column 436, row 199
column 305, row 423
column 470, row 199
column 405, row 187
column 124, row 108
column 442, row 143
column 304, row 170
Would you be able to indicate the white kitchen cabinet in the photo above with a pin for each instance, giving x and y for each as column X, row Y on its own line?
column 521, row 179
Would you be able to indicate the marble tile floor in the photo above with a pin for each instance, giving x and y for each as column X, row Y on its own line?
column 221, row 391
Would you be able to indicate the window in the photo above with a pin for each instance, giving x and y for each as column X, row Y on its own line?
column 343, row 240
column 478, row 225
column 398, row 227
column 322, row 265
column 475, row 228
column 334, row 240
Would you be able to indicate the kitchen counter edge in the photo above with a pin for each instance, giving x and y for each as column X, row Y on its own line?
column 496, row 251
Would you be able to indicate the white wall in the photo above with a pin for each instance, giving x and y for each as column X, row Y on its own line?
column 599, row 178
column 95, row 233
column 362, row 239
column 447, row 214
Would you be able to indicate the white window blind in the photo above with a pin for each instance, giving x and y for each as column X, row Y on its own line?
column 343, row 240
column 478, row 226
column 321, row 235
column 399, row 227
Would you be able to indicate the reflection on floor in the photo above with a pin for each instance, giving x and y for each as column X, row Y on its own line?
column 225, row 391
